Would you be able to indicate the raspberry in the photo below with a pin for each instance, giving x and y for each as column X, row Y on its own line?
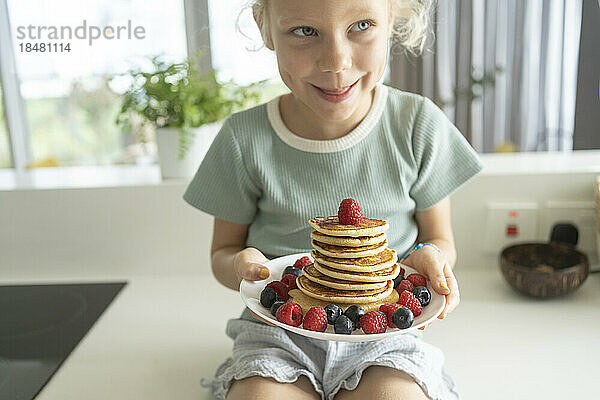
column 349, row 212
column 417, row 279
column 290, row 281
column 315, row 319
column 290, row 314
column 405, row 285
column 281, row 289
column 402, row 271
column 373, row 322
column 302, row 262
column 388, row 310
column 408, row 300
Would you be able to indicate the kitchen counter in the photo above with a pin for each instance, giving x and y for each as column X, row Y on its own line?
column 162, row 333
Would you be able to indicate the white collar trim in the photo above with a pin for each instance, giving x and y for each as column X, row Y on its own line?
column 333, row 145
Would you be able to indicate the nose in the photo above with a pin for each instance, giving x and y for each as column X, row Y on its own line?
column 335, row 57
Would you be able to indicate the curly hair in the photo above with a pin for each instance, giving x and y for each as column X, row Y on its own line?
column 411, row 22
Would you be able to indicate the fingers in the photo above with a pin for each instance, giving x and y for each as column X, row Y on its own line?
column 453, row 298
column 437, row 278
column 248, row 265
column 428, row 262
column 261, row 318
column 253, row 272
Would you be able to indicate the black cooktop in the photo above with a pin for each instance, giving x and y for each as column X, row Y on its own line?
column 39, row 327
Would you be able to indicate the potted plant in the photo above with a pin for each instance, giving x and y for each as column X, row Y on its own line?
column 186, row 108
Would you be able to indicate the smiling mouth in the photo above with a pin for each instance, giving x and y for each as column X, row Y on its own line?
column 335, row 91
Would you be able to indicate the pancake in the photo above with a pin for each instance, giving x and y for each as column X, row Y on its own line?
column 349, row 252
column 321, row 292
column 354, row 276
column 385, row 259
column 314, row 275
column 332, row 227
column 306, row 302
column 347, row 241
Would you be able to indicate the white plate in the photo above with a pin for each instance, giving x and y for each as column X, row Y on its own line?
column 250, row 292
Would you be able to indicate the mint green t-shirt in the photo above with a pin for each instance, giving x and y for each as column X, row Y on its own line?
column 404, row 156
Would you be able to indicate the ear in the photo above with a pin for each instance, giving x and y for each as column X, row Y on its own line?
column 266, row 36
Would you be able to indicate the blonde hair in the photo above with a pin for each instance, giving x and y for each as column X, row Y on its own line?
column 411, row 22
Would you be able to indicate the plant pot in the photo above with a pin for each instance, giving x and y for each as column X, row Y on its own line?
column 167, row 146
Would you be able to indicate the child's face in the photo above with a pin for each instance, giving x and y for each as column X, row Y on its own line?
column 330, row 53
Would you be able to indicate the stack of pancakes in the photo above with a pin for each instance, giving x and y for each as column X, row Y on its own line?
column 352, row 265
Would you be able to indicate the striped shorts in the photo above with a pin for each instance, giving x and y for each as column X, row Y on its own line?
column 268, row 351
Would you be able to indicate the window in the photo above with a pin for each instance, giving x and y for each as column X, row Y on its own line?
column 237, row 49
column 69, row 102
column 5, row 158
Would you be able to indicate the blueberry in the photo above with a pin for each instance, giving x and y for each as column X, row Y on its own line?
column 291, row 270
column 268, row 297
column 354, row 313
column 343, row 325
column 275, row 306
column 398, row 279
column 402, row 318
column 333, row 311
column 422, row 294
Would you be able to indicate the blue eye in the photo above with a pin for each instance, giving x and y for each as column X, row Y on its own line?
column 304, row 31
column 361, row 26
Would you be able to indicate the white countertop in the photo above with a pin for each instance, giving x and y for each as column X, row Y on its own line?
column 163, row 333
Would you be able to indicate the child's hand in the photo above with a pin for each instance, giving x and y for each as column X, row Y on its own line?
column 248, row 265
column 430, row 263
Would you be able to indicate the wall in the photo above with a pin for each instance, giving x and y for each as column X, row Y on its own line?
column 149, row 229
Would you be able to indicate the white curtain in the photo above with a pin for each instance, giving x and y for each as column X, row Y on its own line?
column 505, row 71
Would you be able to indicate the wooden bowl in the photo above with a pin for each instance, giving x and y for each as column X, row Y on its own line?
column 544, row 269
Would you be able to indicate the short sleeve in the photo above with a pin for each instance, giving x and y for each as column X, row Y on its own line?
column 222, row 186
column 444, row 158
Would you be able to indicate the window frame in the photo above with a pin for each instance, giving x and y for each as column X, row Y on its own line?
column 14, row 110
column 197, row 38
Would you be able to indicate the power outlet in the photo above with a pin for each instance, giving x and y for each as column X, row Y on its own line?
column 578, row 213
column 510, row 223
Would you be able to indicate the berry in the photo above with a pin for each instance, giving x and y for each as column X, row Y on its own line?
column 290, row 281
column 281, row 289
column 417, row 279
column 333, row 312
column 349, row 212
column 398, row 279
column 276, row 306
column 422, row 294
column 315, row 319
column 405, row 285
column 403, row 318
column 302, row 262
column 291, row 270
column 267, row 297
column 408, row 300
column 354, row 313
column 290, row 314
column 402, row 271
column 388, row 310
column 343, row 325
column 373, row 322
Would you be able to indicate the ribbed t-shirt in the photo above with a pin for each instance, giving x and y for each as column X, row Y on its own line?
column 404, row 156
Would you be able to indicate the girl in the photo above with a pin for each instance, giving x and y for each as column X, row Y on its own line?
column 338, row 134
